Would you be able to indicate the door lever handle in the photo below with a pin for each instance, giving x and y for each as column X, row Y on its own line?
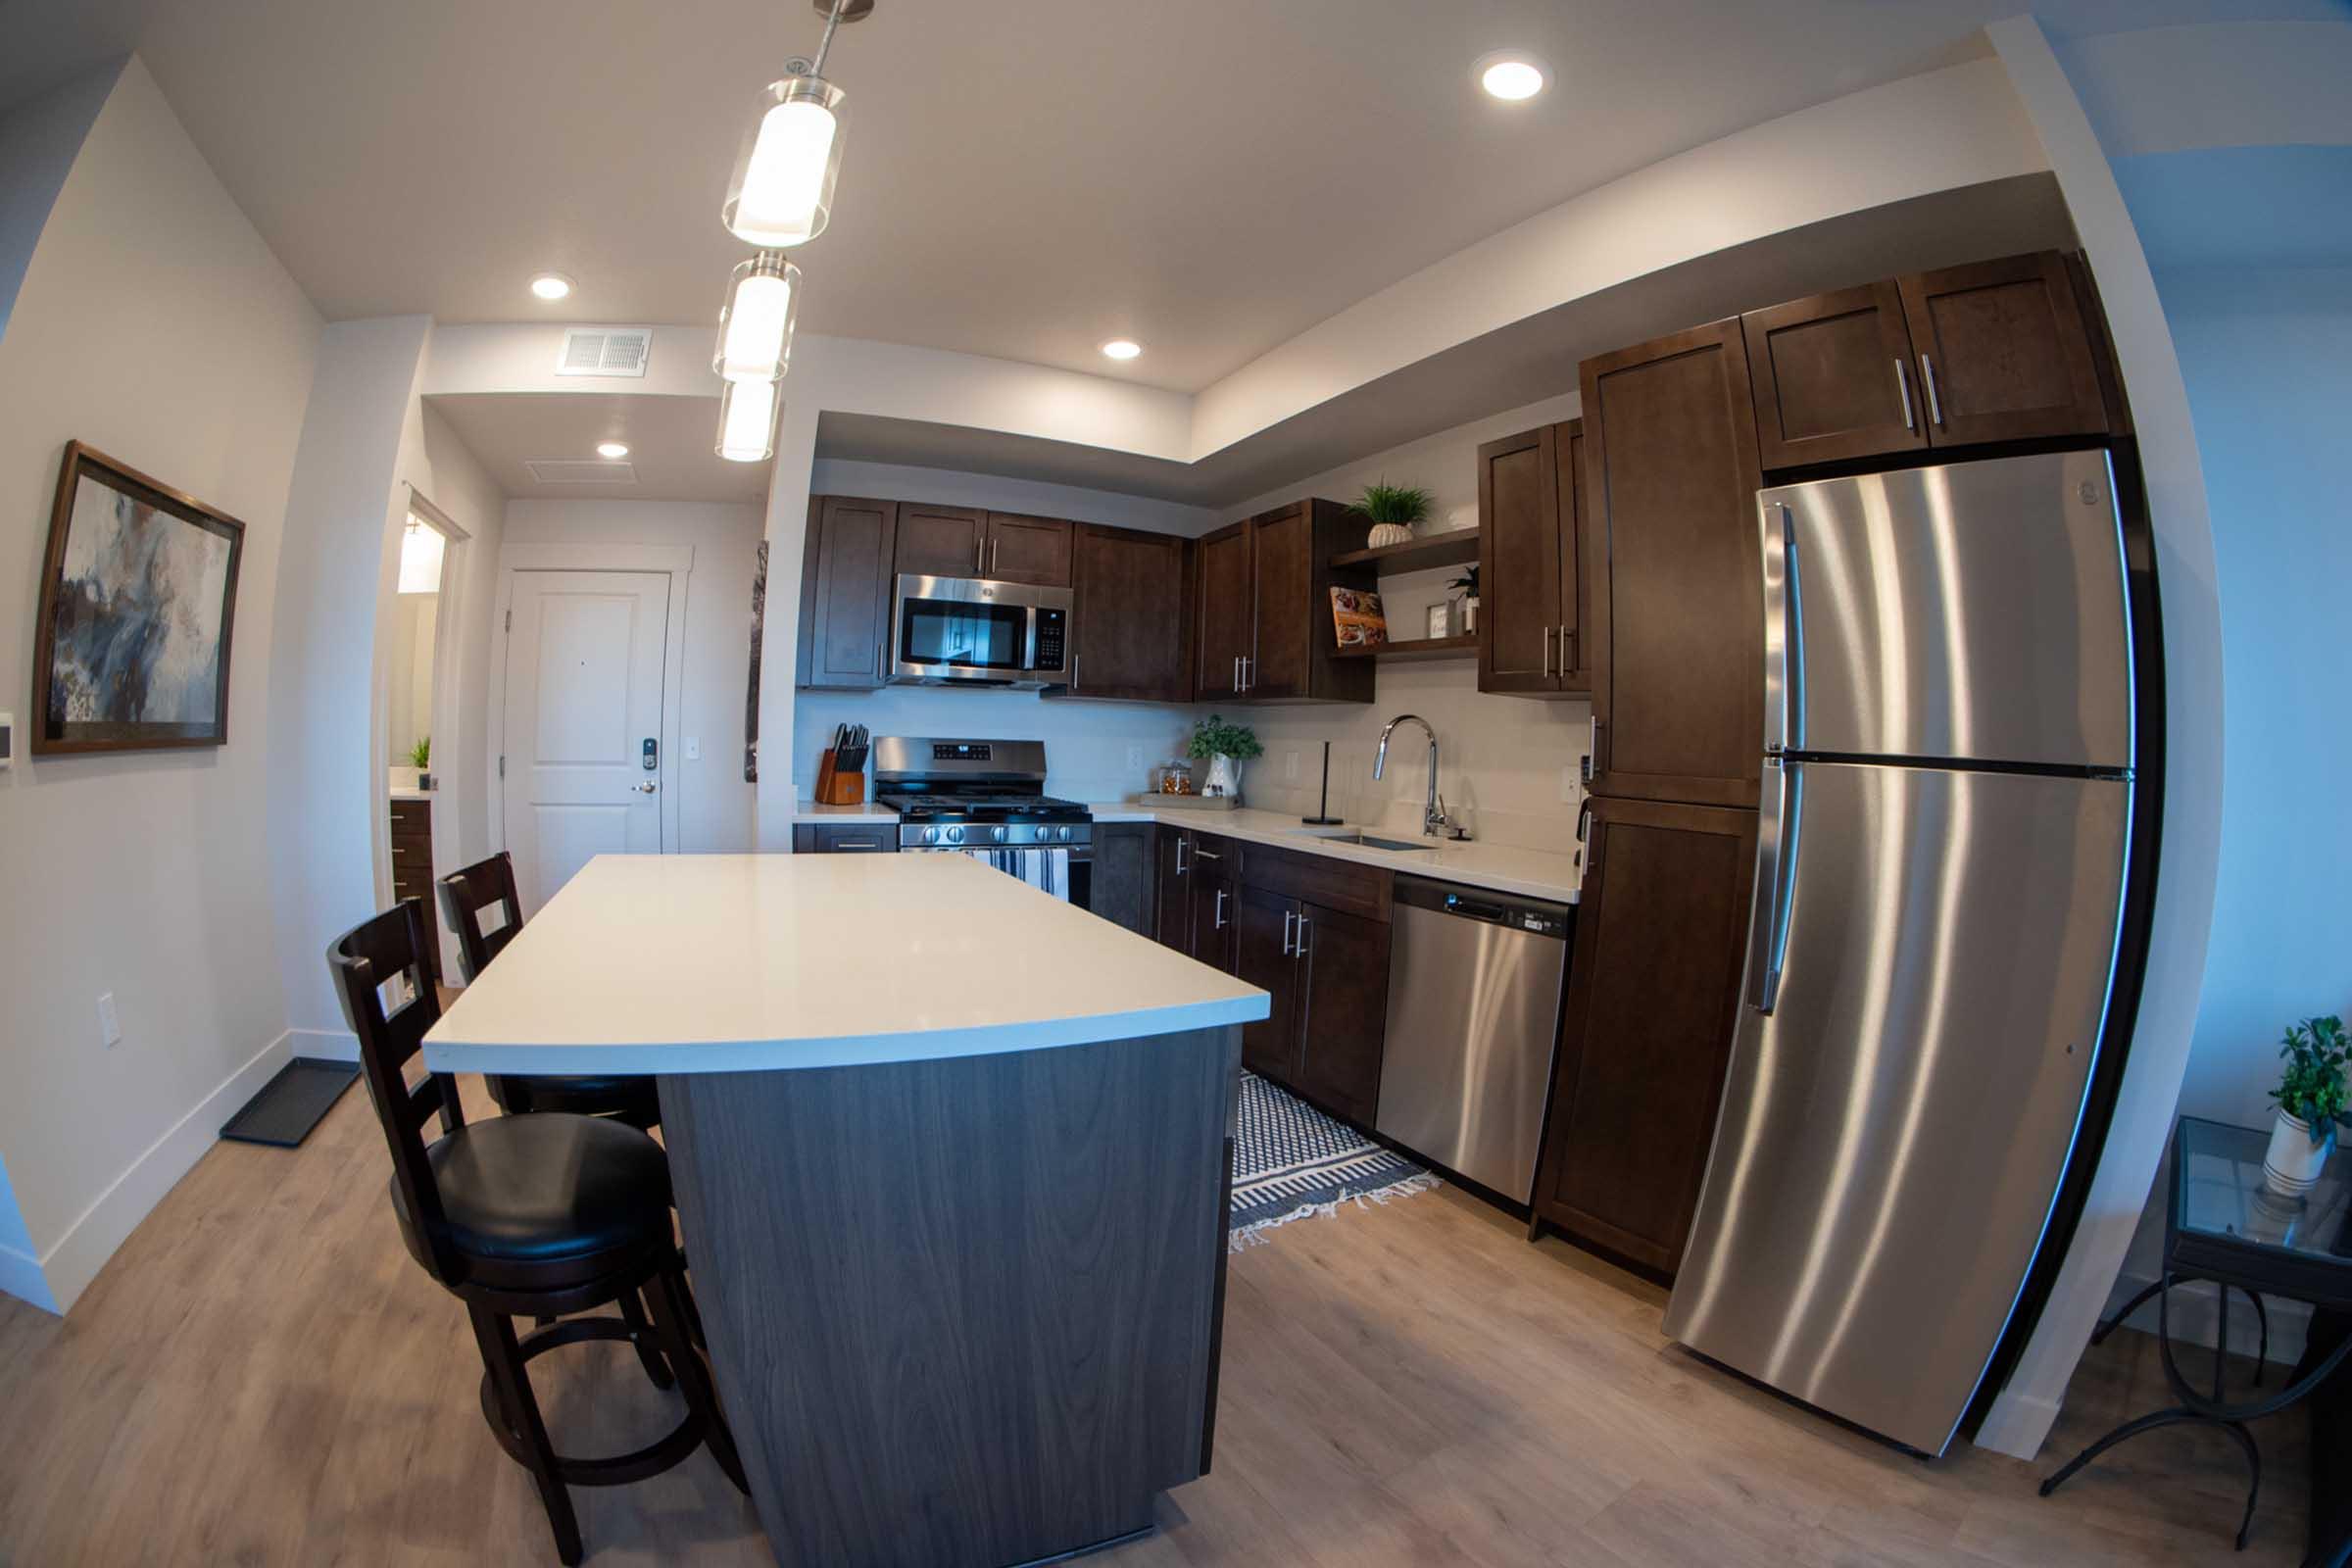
column 646, row 788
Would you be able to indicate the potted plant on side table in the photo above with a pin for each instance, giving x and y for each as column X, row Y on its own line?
column 1226, row 746
column 2310, row 1097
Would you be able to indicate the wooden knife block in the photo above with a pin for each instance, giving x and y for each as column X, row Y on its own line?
column 836, row 788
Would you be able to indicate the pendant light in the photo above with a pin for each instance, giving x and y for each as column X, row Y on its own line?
column 782, row 190
column 754, row 324
column 747, row 422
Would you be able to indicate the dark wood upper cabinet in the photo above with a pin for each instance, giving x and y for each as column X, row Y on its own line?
column 846, row 592
column 1225, row 581
column 1283, row 543
column 1653, row 998
column 1344, row 1014
column 1519, row 545
column 2004, row 353
column 1833, row 378
column 941, row 541
column 1676, row 597
column 1576, row 590
column 1132, row 626
column 1031, row 549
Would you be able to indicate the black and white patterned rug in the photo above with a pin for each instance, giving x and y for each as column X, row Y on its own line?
column 1292, row 1161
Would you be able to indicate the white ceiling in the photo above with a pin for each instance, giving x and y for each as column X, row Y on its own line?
column 1208, row 177
column 669, row 441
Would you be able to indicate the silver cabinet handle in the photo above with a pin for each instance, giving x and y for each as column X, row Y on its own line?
column 1547, row 631
column 1902, row 389
column 1303, row 923
column 397, row 850
column 1249, row 671
column 980, row 555
column 1927, row 374
column 1207, row 854
column 996, row 553
column 1565, row 663
column 1181, row 867
column 1218, row 918
column 1237, row 672
column 1287, row 916
column 855, row 844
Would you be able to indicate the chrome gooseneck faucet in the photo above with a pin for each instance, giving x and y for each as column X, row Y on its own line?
column 1432, row 815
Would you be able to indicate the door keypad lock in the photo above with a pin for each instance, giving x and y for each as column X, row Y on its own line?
column 650, row 753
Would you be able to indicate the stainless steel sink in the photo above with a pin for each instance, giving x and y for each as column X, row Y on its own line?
column 1358, row 835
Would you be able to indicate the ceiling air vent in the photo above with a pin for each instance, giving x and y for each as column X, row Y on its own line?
column 605, row 351
column 580, row 471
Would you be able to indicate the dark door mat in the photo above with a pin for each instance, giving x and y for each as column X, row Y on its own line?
column 291, row 1104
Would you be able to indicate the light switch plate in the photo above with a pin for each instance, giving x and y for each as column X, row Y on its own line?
column 1135, row 758
column 110, row 1027
column 694, row 748
column 1289, row 767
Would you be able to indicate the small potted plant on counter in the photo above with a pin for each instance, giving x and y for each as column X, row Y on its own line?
column 1226, row 746
column 420, row 758
column 1394, row 510
column 2310, row 1096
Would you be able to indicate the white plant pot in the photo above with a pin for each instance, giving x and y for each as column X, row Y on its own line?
column 2293, row 1161
column 1385, row 534
column 1224, row 777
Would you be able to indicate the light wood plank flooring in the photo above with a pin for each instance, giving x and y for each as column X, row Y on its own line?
column 263, row 1377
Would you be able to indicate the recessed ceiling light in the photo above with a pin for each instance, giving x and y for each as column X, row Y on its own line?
column 1119, row 348
column 1511, row 76
column 612, row 449
column 551, row 285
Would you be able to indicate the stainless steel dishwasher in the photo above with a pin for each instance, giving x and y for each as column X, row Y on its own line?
column 1474, row 1012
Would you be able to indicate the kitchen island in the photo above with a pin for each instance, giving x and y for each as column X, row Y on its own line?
column 951, row 1160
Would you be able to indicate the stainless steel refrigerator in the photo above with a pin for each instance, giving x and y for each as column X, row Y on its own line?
column 1940, row 874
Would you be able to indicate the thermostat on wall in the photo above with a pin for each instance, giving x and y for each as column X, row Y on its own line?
column 8, row 738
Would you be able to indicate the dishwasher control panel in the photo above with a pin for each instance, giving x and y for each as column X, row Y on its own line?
column 1541, row 922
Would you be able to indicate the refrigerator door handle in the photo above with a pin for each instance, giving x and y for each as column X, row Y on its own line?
column 1783, row 634
column 1776, row 842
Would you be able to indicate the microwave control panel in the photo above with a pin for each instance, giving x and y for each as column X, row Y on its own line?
column 1052, row 627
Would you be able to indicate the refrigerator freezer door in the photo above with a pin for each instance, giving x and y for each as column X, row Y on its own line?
column 1969, row 613
column 1894, row 1129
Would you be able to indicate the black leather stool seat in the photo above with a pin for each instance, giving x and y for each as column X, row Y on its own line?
column 548, row 1198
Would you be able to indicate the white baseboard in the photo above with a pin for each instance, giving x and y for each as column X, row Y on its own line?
column 2017, row 1424
column 78, row 1255
column 21, row 1276
column 330, row 1045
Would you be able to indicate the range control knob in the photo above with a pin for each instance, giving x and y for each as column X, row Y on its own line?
column 930, row 835
column 954, row 835
column 996, row 833
column 1062, row 833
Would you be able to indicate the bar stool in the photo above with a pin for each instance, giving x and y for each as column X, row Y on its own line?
column 465, row 894
column 541, row 1214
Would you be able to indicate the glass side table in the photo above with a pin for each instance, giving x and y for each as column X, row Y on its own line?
column 2224, row 1224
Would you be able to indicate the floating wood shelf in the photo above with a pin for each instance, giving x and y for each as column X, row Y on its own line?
column 1416, row 648
column 1454, row 548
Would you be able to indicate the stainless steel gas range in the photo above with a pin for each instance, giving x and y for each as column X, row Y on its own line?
column 987, row 799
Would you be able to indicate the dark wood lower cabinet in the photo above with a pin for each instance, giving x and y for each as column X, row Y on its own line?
column 1173, row 890
column 1653, row 996
column 1120, row 887
column 1215, row 909
column 413, row 870
column 1264, row 959
column 1344, row 1023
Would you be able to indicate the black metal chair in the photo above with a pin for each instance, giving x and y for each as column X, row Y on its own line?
column 539, row 1214
column 490, row 884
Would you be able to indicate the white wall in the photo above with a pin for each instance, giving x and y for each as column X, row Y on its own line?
column 37, row 144
column 142, row 874
column 409, row 710
column 1509, row 767
column 715, row 807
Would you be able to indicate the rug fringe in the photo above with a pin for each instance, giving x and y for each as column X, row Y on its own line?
column 1253, row 1234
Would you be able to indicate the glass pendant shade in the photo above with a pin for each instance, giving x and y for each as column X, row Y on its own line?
column 782, row 191
column 747, row 422
column 420, row 550
column 755, row 325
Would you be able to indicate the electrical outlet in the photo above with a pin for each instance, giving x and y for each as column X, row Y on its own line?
column 1569, row 784
column 694, row 748
column 110, row 1027
column 1290, row 767
column 1584, row 767
column 1135, row 758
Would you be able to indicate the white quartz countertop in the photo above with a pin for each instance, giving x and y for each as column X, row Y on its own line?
column 1497, row 867
column 866, row 811
column 410, row 792
column 649, row 964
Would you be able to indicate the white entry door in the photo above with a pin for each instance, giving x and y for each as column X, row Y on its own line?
column 585, row 764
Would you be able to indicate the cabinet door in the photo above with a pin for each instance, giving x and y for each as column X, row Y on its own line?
column 1173, row 889
column 1033, row 550
column 1568, row 484
column 1265, row 938
column 1519, row 563
column 1653, row 996
column 1678, row 600
column 1119, row 886
column 845, row 598
column 1213, row 911
column 1282, row 546
column 1344, row 1026
column 941, row 541
column 1129, row 639
column 2003, row 352
column 1833, row 378
column 1224, row 583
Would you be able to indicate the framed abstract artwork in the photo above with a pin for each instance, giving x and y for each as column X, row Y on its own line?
column 138, row 604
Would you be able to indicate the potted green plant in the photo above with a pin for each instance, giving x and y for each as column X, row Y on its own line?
column 420, row 758
column 1227, row 747
column 1465, row 621
column 1394, row 510
column 2310, row 1097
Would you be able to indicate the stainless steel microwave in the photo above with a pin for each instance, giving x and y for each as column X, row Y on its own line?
column 952, row 631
